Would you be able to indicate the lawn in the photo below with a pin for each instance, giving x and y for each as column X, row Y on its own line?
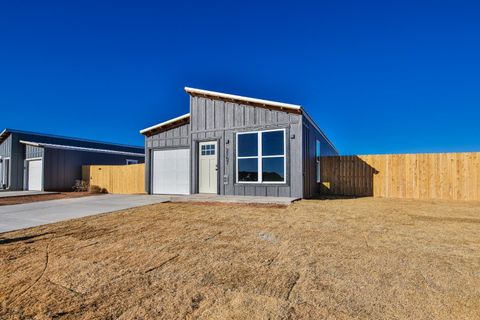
column 319, row 259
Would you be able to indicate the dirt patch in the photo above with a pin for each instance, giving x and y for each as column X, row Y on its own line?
column 337, row 259
column 4, row 201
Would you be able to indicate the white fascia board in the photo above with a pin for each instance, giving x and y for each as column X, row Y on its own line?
column 187, row 115
column 242, row 98
column 306, row 115
column 74, row 148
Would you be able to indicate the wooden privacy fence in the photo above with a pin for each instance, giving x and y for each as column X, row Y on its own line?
column 126, row 179
column 449, row 176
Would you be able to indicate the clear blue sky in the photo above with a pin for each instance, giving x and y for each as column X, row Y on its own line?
column 377, row 76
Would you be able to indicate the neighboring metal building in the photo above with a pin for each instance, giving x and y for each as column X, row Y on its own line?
column 234, row 145
column 35, row 161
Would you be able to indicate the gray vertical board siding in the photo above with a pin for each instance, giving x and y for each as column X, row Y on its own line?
column 177, row 137
column 230, row 118
column 310, row 135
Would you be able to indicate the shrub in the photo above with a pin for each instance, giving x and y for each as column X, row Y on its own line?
column 97, row 189
column 80, row 186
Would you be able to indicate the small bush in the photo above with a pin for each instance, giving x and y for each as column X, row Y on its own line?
column 97, row 189
column 80, row 186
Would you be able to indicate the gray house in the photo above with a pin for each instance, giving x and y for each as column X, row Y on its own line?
column 234, row 145
column 35, row 161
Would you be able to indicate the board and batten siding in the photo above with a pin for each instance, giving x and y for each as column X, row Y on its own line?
column 219, row 120
column 178, row 137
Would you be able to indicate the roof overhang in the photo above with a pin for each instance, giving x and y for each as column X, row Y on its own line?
column 246, row 100
column 83, row 149
column 275, row 105
column 166, row 125
column 4, row 135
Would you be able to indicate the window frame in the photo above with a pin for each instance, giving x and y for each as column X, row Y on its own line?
column 260, row 157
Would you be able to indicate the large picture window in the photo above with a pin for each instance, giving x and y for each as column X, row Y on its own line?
column 261, row 157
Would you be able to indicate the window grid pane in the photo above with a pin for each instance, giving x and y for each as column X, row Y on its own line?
column 270, row 154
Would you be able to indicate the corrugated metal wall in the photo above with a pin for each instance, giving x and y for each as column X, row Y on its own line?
column 178, row 137
column 33, row 152
column 15, row 151
column 219, row 120
column 63, row 167
column 18, row 152
column 5, row 152
column 6, row 147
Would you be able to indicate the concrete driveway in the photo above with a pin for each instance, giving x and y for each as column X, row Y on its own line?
column 33, row 214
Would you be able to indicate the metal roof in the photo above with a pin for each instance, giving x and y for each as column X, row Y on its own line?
column 227, row 96
column 7, row 131
column 75, row 148
column 165, row 123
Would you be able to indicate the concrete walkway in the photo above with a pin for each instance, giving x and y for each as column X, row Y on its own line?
column 7, row 194
column 33, row 214
column 202, row 197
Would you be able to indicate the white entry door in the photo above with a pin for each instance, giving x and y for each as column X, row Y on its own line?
column 171, row 171
column 207, row 176
column 35, row 175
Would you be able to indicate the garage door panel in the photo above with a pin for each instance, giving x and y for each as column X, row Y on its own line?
column 171, row 171
column 35, row 174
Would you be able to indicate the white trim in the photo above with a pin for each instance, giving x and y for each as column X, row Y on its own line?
column 28, row 169
column 243, row 98
column 260, row 157
column 216, row 156
column 143, row 131
column 261, row 101
column 74, row 148
column 9, row 172
column 306, row 115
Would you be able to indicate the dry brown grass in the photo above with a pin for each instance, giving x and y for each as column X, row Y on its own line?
column 330, row 259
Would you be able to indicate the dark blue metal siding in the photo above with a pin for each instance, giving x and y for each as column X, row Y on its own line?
column 310, row 135
column 11, row 148
column 63, row 167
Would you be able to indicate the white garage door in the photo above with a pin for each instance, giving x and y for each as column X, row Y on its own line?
column 35, row 175
column 171, row 171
